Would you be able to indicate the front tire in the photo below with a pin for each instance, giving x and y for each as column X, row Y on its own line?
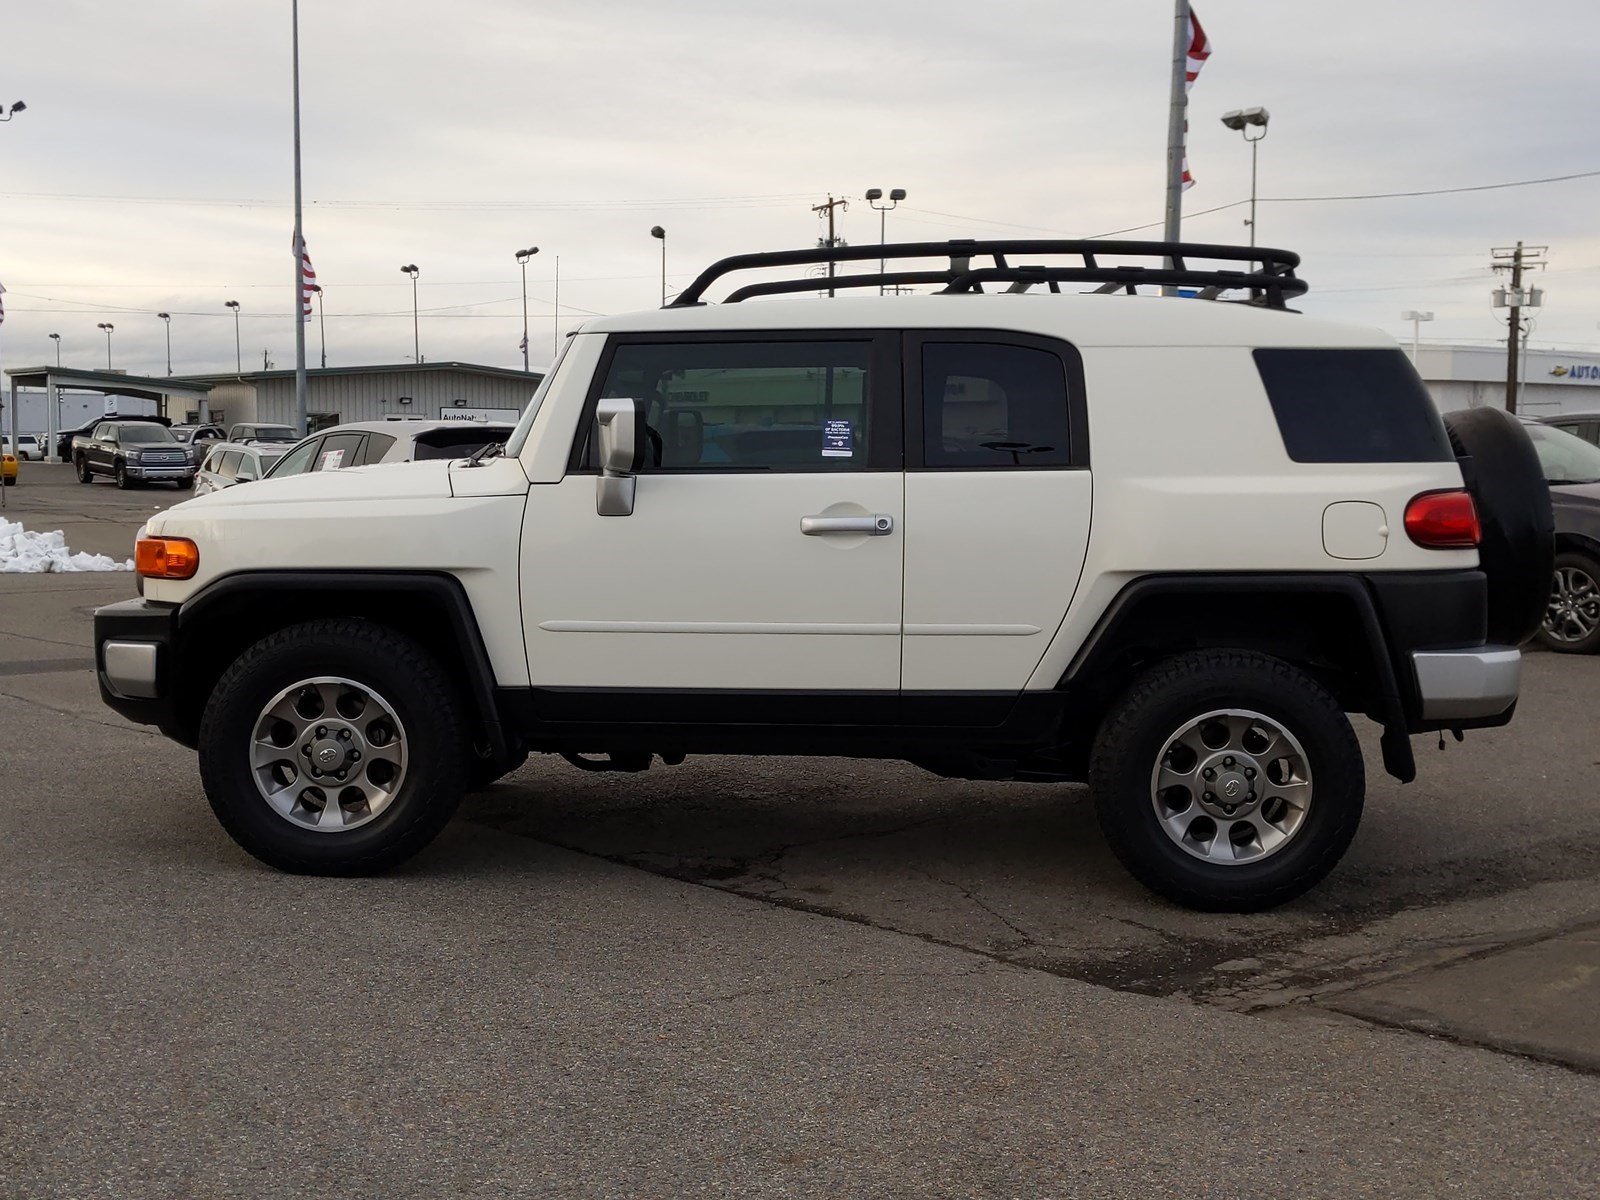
column 84, row 474
column 335, row 747
column 120, row 473
column 1279, row 806
column 1572, row 621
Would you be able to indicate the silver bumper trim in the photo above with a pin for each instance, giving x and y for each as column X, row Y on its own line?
column 1462, row 684
column 130, row 669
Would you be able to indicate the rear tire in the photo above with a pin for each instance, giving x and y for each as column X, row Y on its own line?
column 1572, row 622
column 378, row 821
column 1293, row 800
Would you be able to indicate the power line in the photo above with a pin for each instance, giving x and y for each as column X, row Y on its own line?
column 773, row 200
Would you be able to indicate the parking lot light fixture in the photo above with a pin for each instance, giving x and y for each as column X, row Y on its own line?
column 522, row 260
column 873, row 196
column 167, row 318
column 108, row 327
column 56, row 338
column 659, row 233
column 19, row 106
column 1416, row 318
column 1244, row 120
column 416, row 334
column 238, row 357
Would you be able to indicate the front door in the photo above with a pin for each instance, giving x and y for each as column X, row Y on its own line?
column 763, row 557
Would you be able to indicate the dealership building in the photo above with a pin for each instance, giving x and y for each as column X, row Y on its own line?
column 1551, row 382
column 44, row 400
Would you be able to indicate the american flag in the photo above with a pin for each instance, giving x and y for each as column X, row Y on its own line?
column 310, row 280
column 1199, row 51
column 2, row 304
column 523, row 345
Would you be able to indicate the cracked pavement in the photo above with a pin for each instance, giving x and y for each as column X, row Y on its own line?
column 778, row 978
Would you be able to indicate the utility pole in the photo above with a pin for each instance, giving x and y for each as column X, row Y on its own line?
column 300, row 314
column 1177, row 128
column 1514, row 259
column 831, row 240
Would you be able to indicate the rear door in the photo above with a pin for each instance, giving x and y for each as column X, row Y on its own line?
column 760, row 568
column 998, row 495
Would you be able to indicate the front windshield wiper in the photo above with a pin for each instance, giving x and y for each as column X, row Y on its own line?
column 487, row 450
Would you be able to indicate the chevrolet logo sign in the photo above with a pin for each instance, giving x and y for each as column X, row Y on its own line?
column 1558, row 371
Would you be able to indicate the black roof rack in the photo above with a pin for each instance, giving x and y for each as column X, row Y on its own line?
column 1267, row 275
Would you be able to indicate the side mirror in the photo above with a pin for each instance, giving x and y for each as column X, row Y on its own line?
column 621, row 424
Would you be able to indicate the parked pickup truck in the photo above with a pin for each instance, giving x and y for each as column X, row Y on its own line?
column 132, row 452
column 1163, row 546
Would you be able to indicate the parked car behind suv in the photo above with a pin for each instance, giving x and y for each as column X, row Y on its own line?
column 27, row 447
column 1572, row 468
column 197, row 439
column 1164, row 546
column 230, row 463
column 132, row 452
column 362, row 443
column 1583, row 425
column 250, row 431
column 65, row 437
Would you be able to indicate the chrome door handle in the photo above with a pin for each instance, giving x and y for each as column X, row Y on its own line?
column 875, row 524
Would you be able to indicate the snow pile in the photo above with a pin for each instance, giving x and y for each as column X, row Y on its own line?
column 24, row 553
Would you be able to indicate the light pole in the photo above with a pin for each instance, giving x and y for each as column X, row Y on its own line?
column 1245, row 119
column 19, row 106
column 522, row 260
column 322, row 321
column 1416, row 318
column 238, row 357
column 167, row 317
column 108, row 327
column 657, row 232
column 416, row 334
column 56, row 338
column 873, row 196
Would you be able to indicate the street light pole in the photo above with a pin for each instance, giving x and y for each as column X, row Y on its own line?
column 167, row 318
column 555, row 338
column 1416, row 318
column 238, row 356
column 416, row 335
column 56, row 338
column 322, row 322
column 108, row 327
column 522, row 260
column 1245, row 119
column 657, row 232
column 873, row 196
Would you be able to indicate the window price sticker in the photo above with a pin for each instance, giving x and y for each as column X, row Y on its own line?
column 332, row 459
column 838, row 440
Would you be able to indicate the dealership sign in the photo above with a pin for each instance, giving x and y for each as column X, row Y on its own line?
column 1578, row 373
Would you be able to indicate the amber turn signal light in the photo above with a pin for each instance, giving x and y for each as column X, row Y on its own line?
column 166, row 558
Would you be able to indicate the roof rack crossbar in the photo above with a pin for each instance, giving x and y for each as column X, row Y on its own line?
column 1268, row 274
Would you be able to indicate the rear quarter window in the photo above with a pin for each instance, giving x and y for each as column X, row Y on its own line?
column 1352, row 406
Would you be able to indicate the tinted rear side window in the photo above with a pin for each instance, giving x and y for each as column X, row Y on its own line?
column 1352, row 406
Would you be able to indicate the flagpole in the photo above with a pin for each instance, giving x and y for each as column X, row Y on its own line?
column 299, row 248
column 1177, row 114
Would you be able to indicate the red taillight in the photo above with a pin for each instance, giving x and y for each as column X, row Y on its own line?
column 1443, row 520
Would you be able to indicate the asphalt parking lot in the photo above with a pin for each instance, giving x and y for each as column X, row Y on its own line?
column 773, row 978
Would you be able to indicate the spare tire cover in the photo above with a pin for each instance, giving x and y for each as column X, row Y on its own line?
column 1507, row 483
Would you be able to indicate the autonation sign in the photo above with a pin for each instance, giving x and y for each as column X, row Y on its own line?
column 1578, row 373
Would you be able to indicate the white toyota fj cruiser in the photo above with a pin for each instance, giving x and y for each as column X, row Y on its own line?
column 1163, row 545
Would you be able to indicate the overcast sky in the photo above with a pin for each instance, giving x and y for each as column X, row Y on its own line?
column 152, row 168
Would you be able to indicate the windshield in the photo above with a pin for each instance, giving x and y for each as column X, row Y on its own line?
column 520, row 434
column 272, row 433
column 1565, row 457
column 146, row 433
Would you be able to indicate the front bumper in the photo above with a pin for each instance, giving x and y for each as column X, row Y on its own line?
column 135, row 653
column 1476, row 685
column 162, row 471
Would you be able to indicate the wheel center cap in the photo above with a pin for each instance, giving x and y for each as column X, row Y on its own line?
column 327, row 754
column 1232, row 788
